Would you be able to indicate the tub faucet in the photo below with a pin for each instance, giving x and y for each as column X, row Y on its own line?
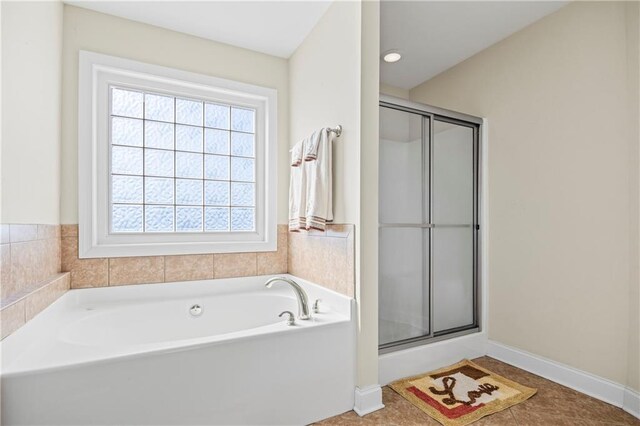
column 303, row 301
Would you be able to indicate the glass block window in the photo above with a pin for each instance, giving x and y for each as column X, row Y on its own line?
column 180, row 165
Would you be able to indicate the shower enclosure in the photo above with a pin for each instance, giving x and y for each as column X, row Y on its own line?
column 428, row 223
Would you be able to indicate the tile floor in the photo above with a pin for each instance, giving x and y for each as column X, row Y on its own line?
column 553, row 405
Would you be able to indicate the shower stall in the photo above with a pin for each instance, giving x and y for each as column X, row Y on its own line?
column 428, row 224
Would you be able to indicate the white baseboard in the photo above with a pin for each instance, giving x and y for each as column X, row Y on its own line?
column 587, row 383
column 409, row 362
column 368, row 400
column 631, row 402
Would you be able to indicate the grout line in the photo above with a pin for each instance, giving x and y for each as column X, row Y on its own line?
column 513, row 415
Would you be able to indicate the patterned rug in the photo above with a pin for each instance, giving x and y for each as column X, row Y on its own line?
column 461, row 393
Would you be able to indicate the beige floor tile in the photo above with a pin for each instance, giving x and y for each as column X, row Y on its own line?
column 553, row 405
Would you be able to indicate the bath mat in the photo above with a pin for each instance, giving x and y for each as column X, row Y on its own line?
column 461, row 393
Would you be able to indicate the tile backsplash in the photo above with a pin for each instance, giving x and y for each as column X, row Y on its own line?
column 115, row 271
column 326, row 258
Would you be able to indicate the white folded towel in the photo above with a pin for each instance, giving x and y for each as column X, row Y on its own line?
column 297, row 188
column 296, row 153
column 311, row 147
column 318, row 181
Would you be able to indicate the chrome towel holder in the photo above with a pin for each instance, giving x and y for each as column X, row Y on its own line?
column 337, row 130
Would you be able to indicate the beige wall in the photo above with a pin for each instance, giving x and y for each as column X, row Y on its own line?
column 324, row 72
column 334, row 80
column 398, row 92
column 633, row 60
column 31, row 73
column 367, row 244
column 88, row 30
column 555, row 95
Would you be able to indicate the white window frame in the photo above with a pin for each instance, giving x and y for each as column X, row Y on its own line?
column 97, row 73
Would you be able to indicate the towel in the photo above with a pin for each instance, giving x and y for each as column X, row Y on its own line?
column 318, row 180
column 297, row 188
column 296, row 153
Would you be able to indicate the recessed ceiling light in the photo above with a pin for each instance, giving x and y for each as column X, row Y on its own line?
column 391, row 56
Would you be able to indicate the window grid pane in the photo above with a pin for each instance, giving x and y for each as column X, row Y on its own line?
column 180, row 165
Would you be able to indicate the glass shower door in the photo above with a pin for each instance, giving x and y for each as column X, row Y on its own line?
column 403, row 213
column 453, row 226
column 428, row 233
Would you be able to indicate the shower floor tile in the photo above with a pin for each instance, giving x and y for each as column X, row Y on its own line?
column 554, row 404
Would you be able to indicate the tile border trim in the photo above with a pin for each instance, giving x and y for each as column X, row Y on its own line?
column 27, row 303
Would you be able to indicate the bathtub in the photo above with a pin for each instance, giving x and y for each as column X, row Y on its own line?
column 137, row 355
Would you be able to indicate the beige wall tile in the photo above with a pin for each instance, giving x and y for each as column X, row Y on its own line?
column 34, row 261
column 12, row 318
column 350, row 273
column 188, row 267
column 136, row 270
column 339, row 230
column 69, row 230
column 5, row 234
column 51, row 257
column 324, row 259
column 7, row 288
column 231, row 265
column 46, row 295
column 19, row 233
column 275, row 262
column 48, row 231
column 25, row 266
column 85, row 273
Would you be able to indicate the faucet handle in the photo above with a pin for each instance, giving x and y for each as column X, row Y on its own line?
column 291, row 319
column 316, row 306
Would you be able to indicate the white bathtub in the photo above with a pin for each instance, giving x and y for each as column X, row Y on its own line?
column 135, row 355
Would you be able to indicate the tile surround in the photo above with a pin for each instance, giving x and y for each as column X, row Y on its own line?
column 275, row 262
column 85, row 273
column 30, row 279
column 32, row 258
column 188, row 267
column 326, row 258
column 231, row 265
column 37, row 301
column 4, row 234
column 30, row 254
column 136, row 270
column 20, row 232
column 12, row 317
column 22, row 308
column 104, row 272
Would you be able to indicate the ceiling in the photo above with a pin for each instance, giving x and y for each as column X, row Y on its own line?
column 272, row 27
column 436, row 35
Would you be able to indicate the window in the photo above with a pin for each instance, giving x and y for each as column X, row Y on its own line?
column 180, row 165
column 173, row 162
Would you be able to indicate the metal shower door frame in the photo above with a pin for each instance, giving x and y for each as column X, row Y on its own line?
column 430, row 115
